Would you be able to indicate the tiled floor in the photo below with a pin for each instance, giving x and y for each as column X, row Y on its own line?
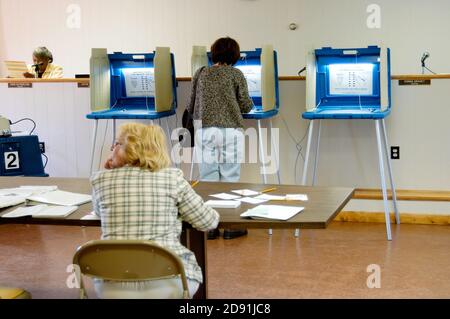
column 329, row 263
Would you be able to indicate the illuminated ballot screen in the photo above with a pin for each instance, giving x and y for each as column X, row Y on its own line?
column 252, row 74
column 139, row 82
column 351, row 79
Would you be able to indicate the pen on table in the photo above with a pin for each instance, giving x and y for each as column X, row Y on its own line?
column 195, row 184
column 268, row 190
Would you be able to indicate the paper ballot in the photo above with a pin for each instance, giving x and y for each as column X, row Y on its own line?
column 61, row 198
column 42, row 211
column 272, row 212
column 225, row 196
column 16, row 69
column 223, row 203
column 245, row 192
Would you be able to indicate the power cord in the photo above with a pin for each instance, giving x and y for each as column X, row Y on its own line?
column 46, row 160
column 26, row 119
column 103, row 144
column 301, row 71
column 298, row 145
column 430, row 70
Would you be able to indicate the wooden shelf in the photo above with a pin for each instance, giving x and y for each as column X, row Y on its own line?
column 187, row 79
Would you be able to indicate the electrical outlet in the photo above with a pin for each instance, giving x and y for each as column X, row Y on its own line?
column 395, row 152
column 42, row 147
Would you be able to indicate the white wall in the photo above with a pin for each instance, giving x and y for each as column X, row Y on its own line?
column 408, row 27
column 2, row 44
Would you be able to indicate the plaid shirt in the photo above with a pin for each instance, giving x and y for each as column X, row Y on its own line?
column 134, row 203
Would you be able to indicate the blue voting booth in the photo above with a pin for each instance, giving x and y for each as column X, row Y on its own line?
column 132, row 86
column 21, row 156
column 351, row 84
column 260, row 69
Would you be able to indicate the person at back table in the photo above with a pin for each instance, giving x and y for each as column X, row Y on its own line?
column 43, row 67
column 139, row 197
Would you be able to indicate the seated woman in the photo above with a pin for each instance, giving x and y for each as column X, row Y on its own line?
column 139, row 197
column 43, row 66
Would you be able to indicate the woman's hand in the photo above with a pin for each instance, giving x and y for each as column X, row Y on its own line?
column 109, row 163
column 28, row 75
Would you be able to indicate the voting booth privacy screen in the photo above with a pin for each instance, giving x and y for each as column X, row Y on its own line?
column 348, row 83
column 133, row 85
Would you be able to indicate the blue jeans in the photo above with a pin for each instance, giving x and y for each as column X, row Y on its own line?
column 219, row 153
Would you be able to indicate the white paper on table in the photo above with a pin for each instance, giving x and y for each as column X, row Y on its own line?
column 11, row 200
column 61, row 198
column 91, row 216
column 270, row 197
column 39, row 189
column 272, row 212
column 26, row 191
column 245, row 192
column 42, row 211
column 223, row 203
column 225, row 196
column 251, row 200
column 301, row 197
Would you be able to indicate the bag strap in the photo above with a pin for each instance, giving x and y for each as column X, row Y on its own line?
column 196, row 84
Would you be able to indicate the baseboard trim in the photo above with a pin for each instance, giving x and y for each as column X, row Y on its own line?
column 410, row 195
column 365, row 217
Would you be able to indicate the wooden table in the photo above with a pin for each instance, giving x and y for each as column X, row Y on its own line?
column 323, row 205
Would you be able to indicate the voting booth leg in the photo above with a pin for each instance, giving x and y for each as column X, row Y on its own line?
column 308, row 149
column 169, row 136
column 394, row 193
column 383, row 180
column 114, row 132
column 275, row 153
column 305, row 166
column 94, row 138
column 261, row 153
column 316, row 159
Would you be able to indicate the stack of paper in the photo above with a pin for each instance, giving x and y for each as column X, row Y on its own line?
column 11, row 200
column 272, row 212
column 299, row 197
column 42, row 211
column 16, row 69
column 61, row 198
column 245, row 192
column 91, row 216
column 223, row 203
column 15, row 196
column 270, row 197
column 225, row 196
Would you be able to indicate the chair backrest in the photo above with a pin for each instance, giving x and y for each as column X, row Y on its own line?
column 128, row 260
column 14, row 293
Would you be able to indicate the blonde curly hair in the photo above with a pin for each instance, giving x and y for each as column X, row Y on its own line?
column 145, row 146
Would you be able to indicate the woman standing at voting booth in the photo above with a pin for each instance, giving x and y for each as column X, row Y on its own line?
column 219, row 97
